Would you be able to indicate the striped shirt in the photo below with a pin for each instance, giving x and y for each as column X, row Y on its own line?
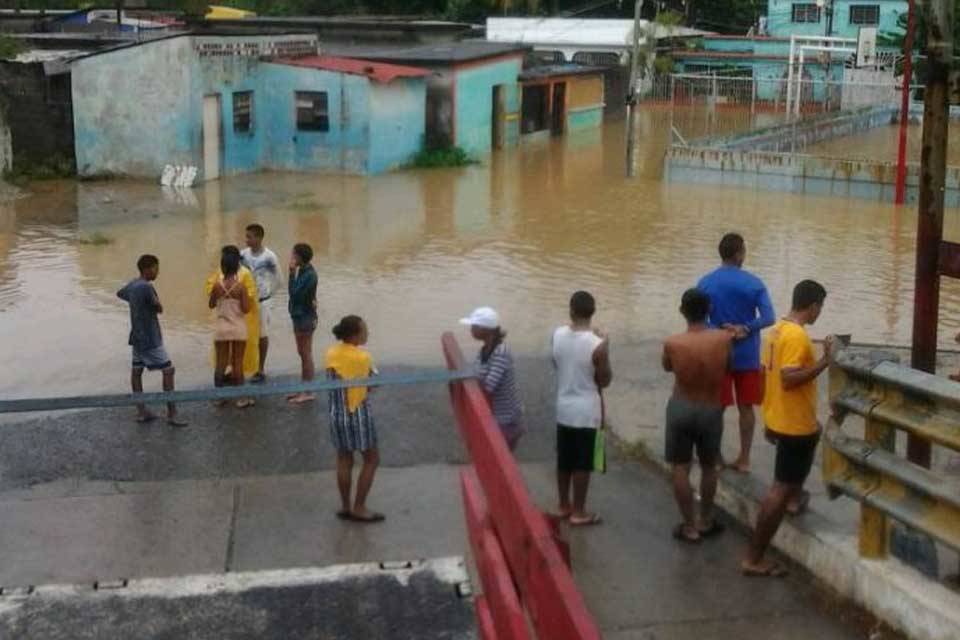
column 498, row 380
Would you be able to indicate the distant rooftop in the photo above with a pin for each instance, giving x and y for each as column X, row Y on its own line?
column 577, row 31
column 445, row 53
column 376, row 71
column 555, row 70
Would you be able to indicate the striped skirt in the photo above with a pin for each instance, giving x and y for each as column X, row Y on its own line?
column 350, row 431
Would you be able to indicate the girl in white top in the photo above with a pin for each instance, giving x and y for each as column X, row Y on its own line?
column 581, row 357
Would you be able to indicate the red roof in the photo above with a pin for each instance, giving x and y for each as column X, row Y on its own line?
column 377, row 71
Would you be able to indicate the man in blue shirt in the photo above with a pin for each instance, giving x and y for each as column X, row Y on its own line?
column 739, row 301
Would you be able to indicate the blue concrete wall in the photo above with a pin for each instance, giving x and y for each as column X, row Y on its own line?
column 132, row 110
column 396, row 122
column 582, row 118
column 343, row 148
column 780, row 12
column 473, row 109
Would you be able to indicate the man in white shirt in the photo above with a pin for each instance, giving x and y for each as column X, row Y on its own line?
column 262, row 263
column 581, row 356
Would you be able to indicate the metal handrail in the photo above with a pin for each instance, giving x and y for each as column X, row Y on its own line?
column 891, row 397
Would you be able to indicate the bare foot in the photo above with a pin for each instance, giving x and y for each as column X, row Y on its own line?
column 763, row 570
column 584, row 520
column 302, row 398
column 740, row 466
column 366, row 516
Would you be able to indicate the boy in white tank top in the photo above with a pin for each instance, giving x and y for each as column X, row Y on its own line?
column 581, row 356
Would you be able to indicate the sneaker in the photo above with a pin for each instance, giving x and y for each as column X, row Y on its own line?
column 257, row 378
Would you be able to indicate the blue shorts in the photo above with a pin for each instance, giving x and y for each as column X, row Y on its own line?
column 155, row 359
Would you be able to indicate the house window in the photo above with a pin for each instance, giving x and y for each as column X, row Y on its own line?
column 243, row 111
column 868, row 14
column 312, row 114
column 806, row 13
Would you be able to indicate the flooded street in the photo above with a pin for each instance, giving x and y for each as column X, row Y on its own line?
column 880, row 144
column 413, row 251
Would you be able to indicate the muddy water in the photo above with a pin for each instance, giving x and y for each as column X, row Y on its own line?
column 413, row 251
column 880, row 144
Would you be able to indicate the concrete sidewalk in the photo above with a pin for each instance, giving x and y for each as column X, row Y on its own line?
column 824, row 540
column 638, row 582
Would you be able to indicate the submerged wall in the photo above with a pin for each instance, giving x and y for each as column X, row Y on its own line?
column 473, row 109
column 762, row 159
column 585, row 102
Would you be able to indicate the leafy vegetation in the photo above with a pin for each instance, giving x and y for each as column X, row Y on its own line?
column 51, row 169
column 446, row 157
column 9, row 47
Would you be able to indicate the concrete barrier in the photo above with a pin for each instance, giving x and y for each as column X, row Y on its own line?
column 798, row 173
column 421, row 600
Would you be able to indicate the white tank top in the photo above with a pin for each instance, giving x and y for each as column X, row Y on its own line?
column 578, row 399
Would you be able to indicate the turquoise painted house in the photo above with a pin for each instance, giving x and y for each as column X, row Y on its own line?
column 473, row 92
column 765, row 57
column 840, row 18
column 233, row 104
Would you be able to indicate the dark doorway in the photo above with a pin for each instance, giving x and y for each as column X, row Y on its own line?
column 497, row 131
column 558, row 110
column 534, row 108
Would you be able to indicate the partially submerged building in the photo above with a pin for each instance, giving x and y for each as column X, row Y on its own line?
column 561, row 98
column 236, row 103
column 473, row 92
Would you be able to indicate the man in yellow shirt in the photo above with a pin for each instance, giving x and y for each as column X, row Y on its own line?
column 790, row 414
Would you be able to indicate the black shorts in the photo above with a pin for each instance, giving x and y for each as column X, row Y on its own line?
column 575, row 448
column 689, row 425
column 795, row 456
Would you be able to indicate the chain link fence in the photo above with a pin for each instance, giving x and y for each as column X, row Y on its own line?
column 709, row 105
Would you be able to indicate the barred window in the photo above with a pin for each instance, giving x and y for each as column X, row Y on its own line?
column 597, row 58
column 312, row 114
column 806, row 13
column 868, row 14
column 243, row 111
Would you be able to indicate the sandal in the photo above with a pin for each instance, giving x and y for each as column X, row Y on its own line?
column 680, row 533
column 146, row 418
column 245, row 403
column 772, row 570
column 801, row 506
column 372, row 517
column 590, row 520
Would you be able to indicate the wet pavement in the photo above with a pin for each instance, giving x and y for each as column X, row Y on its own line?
column 92, row 496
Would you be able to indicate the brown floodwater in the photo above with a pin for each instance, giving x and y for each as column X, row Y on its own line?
column 880, row 143
column 413, row 251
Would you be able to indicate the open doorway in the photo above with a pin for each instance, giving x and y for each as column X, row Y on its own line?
column 499, row 112
column 558, row 110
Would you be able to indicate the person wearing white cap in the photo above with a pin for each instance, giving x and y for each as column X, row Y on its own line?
column 495, row 372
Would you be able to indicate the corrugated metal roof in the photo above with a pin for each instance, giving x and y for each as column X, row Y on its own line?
column 577, row 31
column 377, row 71
column 559, row 70
column 450, row 53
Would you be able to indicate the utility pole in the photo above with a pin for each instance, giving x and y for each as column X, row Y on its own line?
column 933, row 165
column 901, row 184
column 632, row 97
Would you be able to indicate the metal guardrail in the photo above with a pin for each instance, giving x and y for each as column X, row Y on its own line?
column 891, row 397
column 228, row 393
column 521, row 562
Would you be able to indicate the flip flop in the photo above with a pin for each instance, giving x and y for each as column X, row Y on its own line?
column 245, row 403
column 773, row 570
column 343, row 515
column 373, row 517
column 177, row 424
column 559, row 515
column 716, row 528
column 146, row 419
column 678, row 534
column 591, row 520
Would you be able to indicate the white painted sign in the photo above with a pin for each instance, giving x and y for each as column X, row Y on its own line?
column 867, row 47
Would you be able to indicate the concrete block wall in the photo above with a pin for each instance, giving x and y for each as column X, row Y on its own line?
column 473, row 108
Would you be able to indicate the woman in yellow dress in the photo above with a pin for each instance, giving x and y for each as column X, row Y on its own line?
column 251, row 355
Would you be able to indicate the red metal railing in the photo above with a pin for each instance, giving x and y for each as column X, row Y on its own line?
column 516, row 550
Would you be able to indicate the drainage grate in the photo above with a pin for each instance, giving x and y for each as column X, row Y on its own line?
column 107, row 585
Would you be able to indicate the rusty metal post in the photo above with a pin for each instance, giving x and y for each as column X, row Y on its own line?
column 901, row 184
column 933, row 165
column 632, row 97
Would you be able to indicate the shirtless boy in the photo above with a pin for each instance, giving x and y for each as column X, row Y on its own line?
column 699, row 359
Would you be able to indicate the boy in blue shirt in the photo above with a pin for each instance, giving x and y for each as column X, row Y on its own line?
column 739, row 301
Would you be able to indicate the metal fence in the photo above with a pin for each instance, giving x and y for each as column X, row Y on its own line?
column 709, row 104
column 890, row 398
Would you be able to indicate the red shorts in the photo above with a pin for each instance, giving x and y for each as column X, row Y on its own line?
column 745, row 386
